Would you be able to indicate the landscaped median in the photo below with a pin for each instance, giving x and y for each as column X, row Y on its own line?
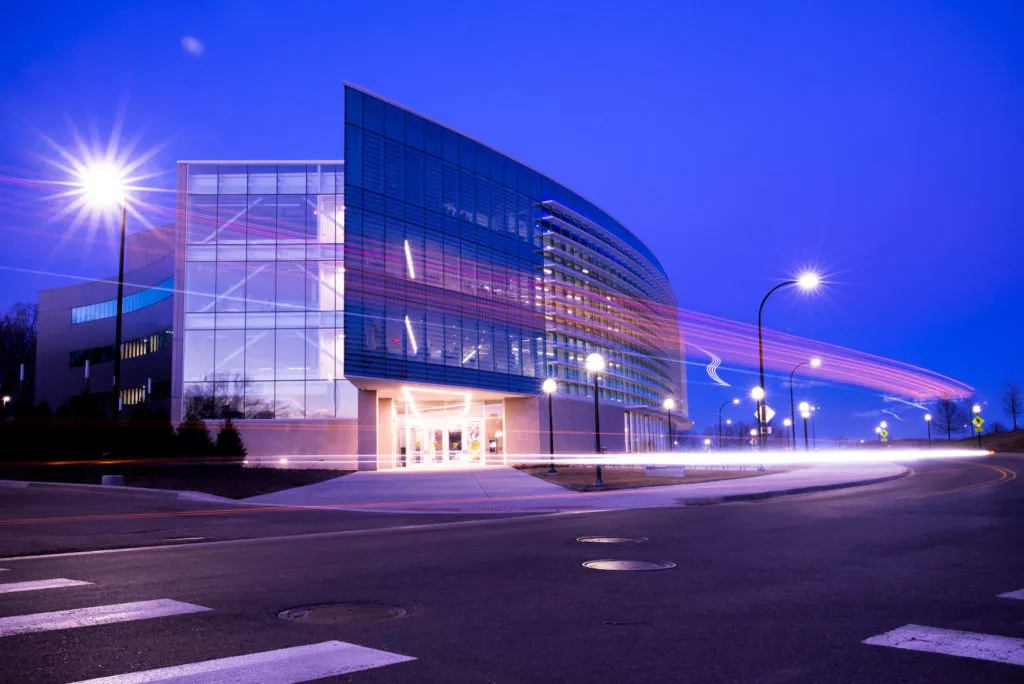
column 580, row 478
column 231, row 479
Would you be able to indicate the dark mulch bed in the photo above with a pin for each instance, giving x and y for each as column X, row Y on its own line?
column 230, row 480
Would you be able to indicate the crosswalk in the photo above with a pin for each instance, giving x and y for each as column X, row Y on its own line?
column 280, row 666
column 952, row 642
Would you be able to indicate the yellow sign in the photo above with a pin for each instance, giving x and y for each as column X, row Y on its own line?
column 884, row 434
column 978, row 421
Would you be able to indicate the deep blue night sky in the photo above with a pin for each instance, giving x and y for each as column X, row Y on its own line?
column 881, row 141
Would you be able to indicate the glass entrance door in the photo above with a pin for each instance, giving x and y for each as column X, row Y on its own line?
column 445, row 433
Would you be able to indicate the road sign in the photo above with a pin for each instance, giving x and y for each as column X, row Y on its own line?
column 978, row 422
column 764, row 414
column 978, row 429
column 884, row 434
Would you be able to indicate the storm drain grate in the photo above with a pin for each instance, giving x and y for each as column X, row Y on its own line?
column 628, row 565
column 612, row 540
column 342, row 613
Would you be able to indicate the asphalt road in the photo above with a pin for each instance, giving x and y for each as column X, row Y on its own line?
column 784, row 590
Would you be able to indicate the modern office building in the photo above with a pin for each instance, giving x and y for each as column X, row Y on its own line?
column 402, row 306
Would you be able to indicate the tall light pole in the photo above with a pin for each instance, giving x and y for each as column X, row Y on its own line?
column 724, row 404
column 103, row 186
column 928, row 422
column 595, row 366
column 669, row 404
column 549, row 388
column 813, row 363
column 788, row 424
column 976, row 410
column 805, row 413
column 814, row 429
column 808, row 282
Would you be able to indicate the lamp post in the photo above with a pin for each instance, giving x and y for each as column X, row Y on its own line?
column 813, row 363
column 976, row 410
column 724, row 404
column 707, row 445
column 788, row 423
column 814, row 428
column 103, row 186
column 757, row 394
column 928, row 422
column 878, row 431
column 808, row 282
column 753, row 438
column 549, row 388
column 805, row 413
column 6, row 400
column 595, row 366
column 669, row 404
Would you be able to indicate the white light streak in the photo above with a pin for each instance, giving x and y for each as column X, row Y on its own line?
column 412, row 338
column 408, row 261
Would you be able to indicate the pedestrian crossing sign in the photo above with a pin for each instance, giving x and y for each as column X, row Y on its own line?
column 978, row 422
column 884, row 434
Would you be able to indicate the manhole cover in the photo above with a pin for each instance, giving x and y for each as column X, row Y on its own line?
column 342, row 613
column 612, row 540
column 629, row 565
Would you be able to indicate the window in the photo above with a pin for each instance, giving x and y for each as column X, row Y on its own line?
column 132, row 302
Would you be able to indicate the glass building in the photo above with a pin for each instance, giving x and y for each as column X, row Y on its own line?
column 403, row 306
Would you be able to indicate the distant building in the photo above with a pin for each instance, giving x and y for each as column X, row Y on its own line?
column 398, row 308
column 76, row 326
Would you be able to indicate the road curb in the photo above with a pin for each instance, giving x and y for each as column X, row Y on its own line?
column 809, row 489
column 181, row 495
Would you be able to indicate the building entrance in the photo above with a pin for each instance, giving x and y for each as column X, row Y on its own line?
column 447, row 433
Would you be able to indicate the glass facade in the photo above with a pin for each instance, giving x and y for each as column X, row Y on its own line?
column 132, row 302
column 443, row 255
column 264, row 291
column 465, row 267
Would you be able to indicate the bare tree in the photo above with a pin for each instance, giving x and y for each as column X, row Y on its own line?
column 948, row 416
column 1012, row 401
column 18, row 329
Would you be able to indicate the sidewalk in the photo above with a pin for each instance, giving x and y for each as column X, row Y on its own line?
column 506, row 490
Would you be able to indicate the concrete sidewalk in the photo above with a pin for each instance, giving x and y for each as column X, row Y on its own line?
column 507, row 490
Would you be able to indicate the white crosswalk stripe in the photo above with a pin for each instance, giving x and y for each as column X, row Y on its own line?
column 283, row 666
column 953, row 642
column 96, row 615
column 1019, row 594
column 13, row 587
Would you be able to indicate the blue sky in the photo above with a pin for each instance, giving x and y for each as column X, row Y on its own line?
column 741, row 141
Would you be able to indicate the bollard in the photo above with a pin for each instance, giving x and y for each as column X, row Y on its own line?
column 112, row 480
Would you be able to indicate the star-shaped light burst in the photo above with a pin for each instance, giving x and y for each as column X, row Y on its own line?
column 97, row 182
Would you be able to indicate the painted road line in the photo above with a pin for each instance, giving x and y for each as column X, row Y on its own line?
column 1019, row 594
column 97, row 615
column 12, row 587
column 953, row 642
column 283, row 666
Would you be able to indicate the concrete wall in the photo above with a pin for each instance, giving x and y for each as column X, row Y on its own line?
column 526, row 426
column 306, row 443
column 521, row 426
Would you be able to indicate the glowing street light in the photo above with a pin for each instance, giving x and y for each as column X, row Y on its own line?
column 813, row 363
column 808, row 281
column 550, row 386
column 669, row 404
column 788, row 424
column 883, row 425
column 728, row 422
column 103, row 186
column 757, row 394
column 595, row 365
column 928, row 422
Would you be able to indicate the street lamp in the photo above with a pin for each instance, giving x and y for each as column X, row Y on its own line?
column 808, row 281
column 707, row 445
column 595, row 365
column 753, row 438
column 805, row 413
column 724, row 404
column 813, row 363
column 103, row 186
column 6, row 400
column 976, row 410
column 928, row 422
column 788, row 424
column 669, row 404
column 549, row 386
